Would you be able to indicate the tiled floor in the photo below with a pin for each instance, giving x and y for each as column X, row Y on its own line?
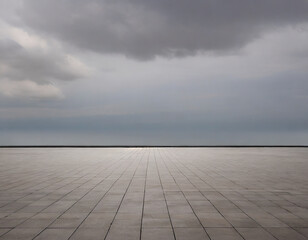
column 154, row 193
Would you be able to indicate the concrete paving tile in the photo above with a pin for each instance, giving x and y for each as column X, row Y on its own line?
column 3, row 215
column 20, row 234
column 89, row 234
column 255, row 234
column 59, row 207
column 35, row 223
column 69, row 220
column 179, row 207
column 155, row 207
column 107, row 207
column 286, row 234
column 129, row 233
column 97, row 220
column 203, row 207
column 127, row 220
column 194, row 196
column 295, row 222
column 156, row 221
column 32, row 209
column 223, row 234
column 19, row 215
column 185, row 220
column 240, row 220
column 303, row 231
column 157, row 233
column 4, row 230
column 243, row 222
column 11, row 222
column 213, row 220
column 270, row 222
column 126, row 223
column 190, row 233
column 154, row 196
column 14, row 206
column 213, row 195
column 79, row 207
column 174, row 196
column 55, row 234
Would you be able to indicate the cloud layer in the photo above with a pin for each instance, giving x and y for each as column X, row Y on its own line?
column 28, row 89
column 153, row 72
column 28, row 65
column 144, row 29
column 19, row 63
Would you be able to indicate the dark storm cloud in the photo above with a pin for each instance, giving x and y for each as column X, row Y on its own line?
column 147, row 28
column 19, row 63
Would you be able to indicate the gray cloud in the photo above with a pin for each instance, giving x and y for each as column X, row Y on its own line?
column 29, row 72
column 144, row 28
column 28, row 89
column 19, row 63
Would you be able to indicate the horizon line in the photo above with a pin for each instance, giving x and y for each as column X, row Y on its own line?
column 151, row 146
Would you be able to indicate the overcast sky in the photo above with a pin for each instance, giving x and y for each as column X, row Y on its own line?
column 204, row 72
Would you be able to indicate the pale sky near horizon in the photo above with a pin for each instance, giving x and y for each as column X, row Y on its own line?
column 161, row 72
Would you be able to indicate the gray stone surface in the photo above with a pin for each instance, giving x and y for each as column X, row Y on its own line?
column 154, row 193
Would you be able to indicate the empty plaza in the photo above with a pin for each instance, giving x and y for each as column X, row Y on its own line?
column 154, row 193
